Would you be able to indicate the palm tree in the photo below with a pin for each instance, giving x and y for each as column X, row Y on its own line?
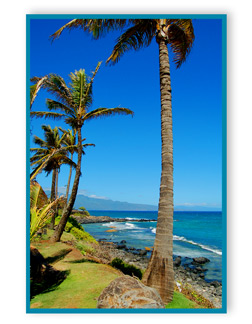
column 179, row 34
column 73, row 103
column 52, row 142
column 70, row 140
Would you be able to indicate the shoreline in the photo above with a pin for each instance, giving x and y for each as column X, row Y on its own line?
column 107, row 219
column 188, row 274
column 185, row 278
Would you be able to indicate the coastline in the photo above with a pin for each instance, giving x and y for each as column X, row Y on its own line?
column 186, row 279
column 188, row 275
column 106, row 219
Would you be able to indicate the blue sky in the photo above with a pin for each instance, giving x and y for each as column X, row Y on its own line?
column 125, row 165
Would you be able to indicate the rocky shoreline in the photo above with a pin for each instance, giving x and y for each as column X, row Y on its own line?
column 188, row 272
column 106, row 219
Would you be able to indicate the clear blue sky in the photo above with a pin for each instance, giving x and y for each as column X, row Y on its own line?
column 125, row 165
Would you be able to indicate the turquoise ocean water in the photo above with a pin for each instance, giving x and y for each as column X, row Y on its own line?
column 195, row 234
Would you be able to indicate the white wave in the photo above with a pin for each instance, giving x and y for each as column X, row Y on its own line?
column 153, row 230
column 204, row 247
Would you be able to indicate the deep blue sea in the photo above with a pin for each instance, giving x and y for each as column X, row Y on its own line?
column 195, row 234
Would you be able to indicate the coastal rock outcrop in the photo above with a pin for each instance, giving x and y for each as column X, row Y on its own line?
column 201, row 260
column 128, row 292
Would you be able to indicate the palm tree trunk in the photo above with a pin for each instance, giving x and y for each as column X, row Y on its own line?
column 66, row 213
column 159, row 273
column 69, row 180
column 52, row 197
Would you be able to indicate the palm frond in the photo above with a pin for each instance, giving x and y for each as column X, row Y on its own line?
column 52, row 104
column 34, row 89
column 105, row 112
column 46, row 114
column 138, row 36
column 97, row 27
column 181, row 38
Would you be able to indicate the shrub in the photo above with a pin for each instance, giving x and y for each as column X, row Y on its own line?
column 74, row 222
column 82, row 235
column 71, row 222
column 126, row 268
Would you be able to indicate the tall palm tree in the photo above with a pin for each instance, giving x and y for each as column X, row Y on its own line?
column 138, row 33
column 70, row 140
column 53, row 141
column 73, row 102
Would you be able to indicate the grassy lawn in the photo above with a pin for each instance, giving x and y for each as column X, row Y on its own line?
column 85, row 282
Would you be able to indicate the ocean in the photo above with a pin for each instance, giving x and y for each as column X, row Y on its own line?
column 195, row 234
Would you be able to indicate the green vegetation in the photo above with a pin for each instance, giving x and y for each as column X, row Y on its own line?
column 126, row 268
column 180, row 301
column 82, row 235
column 72, row 104
column 39, row 216
column 82, row 286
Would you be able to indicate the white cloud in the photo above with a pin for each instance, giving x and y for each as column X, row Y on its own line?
column 98, row 197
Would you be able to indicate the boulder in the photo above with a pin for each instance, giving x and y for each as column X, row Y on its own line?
column 215, row 283
column 121, row 246
column 128, row 292
column 201, row 260
column 123, row 241
column 142, row 252
column 177, row 261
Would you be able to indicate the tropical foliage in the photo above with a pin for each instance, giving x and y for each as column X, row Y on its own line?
column 72, row 105
column 39, row 215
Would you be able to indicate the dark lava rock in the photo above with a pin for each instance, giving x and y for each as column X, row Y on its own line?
column 201, row 260
column 177, row 261
column 102, row 239
column 202, row 275
column 142, row 252
column 123, row 241
column 121, row 246
column 199, row 269
column 215, row 283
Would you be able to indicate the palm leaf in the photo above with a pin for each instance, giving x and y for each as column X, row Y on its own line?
column 105, row 112
column 181, row 37
column 138, row 36
column 46, row 114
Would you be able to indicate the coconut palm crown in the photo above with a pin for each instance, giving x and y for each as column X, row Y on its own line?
column 73, row 104
column 136, row 34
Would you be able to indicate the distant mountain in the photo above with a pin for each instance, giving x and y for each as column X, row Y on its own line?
column 107, row 204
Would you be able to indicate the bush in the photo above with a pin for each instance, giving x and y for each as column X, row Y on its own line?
column 74, row 222
column 71, row 222
column 126, row 268
column 82, row 235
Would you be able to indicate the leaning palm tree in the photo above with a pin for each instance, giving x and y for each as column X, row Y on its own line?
column 53, row 141
column 70, row 140
column 73, row 102
column 138, row 33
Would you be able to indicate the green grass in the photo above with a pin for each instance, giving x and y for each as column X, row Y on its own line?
column 180, row 301
column 81, row 288
column 86, row 280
